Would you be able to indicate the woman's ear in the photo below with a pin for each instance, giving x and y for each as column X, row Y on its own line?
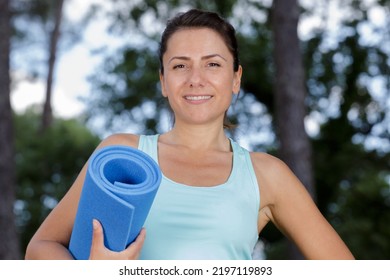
column 237, row 80
column 163, row 91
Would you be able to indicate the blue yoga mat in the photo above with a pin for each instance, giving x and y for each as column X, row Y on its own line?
column 119, row 189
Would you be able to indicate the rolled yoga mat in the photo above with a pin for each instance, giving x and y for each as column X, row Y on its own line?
column 119, row 189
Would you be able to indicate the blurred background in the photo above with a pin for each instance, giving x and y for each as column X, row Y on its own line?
column 315, row 92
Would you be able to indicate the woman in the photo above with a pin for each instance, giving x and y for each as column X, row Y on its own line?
column 215, row 197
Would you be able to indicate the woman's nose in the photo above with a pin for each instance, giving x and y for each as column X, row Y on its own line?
column 196, row 77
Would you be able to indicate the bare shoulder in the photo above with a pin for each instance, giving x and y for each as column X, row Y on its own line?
column 125, row 139
column 278, row 185
column 273, row 175
column 268, row 164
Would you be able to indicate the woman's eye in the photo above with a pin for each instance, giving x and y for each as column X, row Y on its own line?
column 214, row 64
column 178, row 66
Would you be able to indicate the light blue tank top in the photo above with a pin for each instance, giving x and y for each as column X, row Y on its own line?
column 218, row 222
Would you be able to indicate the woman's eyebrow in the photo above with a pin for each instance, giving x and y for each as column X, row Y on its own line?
column 203, row 57
column 179, row 58
column 213, row 55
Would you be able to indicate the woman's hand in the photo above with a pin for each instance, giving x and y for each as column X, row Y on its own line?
column 100, row 252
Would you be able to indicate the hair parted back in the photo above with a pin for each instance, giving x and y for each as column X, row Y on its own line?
column 196, row 18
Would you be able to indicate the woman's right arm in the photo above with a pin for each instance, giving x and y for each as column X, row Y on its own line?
column 51, row 240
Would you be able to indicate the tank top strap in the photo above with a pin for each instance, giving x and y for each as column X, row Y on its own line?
column 148, row 144
column 245, row 173
column 242, row 171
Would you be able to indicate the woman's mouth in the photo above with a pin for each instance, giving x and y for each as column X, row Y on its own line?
column 197, row 97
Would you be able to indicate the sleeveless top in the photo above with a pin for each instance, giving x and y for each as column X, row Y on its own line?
column 218, row 222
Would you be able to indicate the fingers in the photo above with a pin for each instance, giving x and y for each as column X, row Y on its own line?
column 97, row 238
column 97, row 235
column 99, row 251
column 134, row 248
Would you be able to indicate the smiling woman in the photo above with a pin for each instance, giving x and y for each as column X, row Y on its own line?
column 215, row 197
column 198, row 73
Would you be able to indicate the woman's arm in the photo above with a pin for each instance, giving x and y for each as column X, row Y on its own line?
column 51, row 240
column 292, row 210
column 52, row 237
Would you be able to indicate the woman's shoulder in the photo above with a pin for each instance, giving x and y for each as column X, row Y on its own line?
column 269, row 164
column 274, row 177
column 126, row 139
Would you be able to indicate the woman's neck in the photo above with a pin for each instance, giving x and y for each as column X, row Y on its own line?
column 198, row 137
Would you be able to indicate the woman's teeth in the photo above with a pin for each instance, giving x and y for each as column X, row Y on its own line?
column 198, row 97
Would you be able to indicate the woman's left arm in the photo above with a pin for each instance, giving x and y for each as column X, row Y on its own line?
column 294, row 212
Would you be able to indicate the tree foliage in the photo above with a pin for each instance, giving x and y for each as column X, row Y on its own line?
column 33, row 22
column 10, row 248
column 352, row 175
column 47, row 164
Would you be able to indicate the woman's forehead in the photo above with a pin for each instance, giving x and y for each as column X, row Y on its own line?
column 188, row 40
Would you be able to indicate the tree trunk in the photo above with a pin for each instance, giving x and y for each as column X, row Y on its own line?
column 290, row 94
column 9, row 240
column 47, row 116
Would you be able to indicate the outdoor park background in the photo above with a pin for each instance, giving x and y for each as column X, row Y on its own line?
column 93, row 66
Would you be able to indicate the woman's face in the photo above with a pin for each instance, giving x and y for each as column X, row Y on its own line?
column 198, row 77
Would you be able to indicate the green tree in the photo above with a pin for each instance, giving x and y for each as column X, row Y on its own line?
column 41, row 33
column 9, row 248
column 352, row 146
column 47, row 164
column 290, row 94
column 47, row 115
